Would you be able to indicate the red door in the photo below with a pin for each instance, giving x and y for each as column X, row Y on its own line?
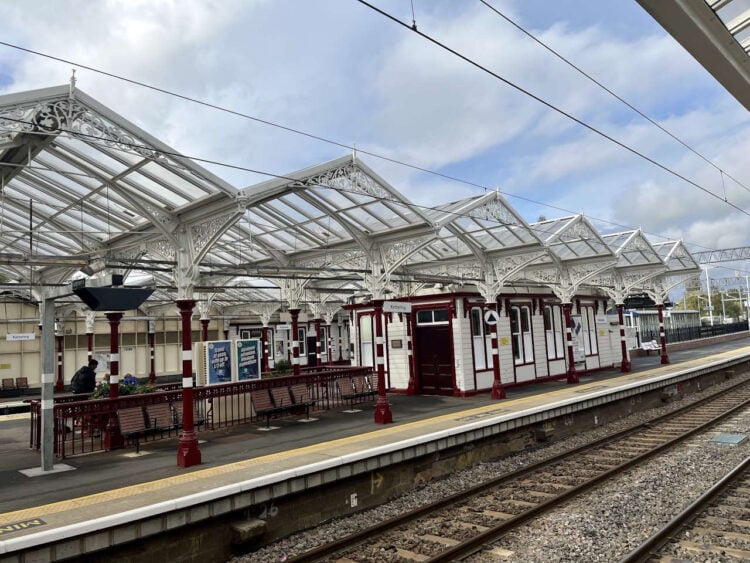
column 434, row 364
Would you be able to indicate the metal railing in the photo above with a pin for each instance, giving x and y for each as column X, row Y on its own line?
column 694, row 333
column 81, row 426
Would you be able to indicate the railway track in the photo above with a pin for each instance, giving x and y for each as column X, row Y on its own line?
column 471, row 521
column 716, row 526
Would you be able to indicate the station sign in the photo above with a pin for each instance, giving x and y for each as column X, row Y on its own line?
column 20, row 336
column 396, row 307
column 491, row 317
column 248, row 354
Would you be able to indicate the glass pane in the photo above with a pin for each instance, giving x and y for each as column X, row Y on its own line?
column 476, row 322
column 547, row 318
column 514, row 313
column 525, row 319
column 365, row 329
column 528, row 348
column 517, row 347
column 440, row 315
column 301, row 333
column 424, row 317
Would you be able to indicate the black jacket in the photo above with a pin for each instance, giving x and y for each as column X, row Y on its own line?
column 84, row 380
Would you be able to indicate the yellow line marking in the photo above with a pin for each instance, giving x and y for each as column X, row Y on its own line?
column 17, row 416
column 167, row 482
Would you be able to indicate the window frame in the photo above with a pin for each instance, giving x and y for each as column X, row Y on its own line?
column 522, row 340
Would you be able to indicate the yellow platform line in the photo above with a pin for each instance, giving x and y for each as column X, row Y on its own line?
column 160, row 484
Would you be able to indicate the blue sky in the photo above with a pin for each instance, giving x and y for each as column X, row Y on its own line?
column 337, row 69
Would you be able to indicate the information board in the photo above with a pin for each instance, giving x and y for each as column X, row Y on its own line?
column 576, row 329
column 248, row 354
column 219, row 362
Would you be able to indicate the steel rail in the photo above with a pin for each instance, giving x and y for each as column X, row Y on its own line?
column 478, row 542
column 357, row 538
column 652, row 545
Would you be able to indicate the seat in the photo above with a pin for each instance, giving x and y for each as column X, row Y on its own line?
column 8, row 384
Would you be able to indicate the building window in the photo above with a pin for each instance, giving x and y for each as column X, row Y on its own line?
column 520, row 330
column 365, row 341
column 481, row 337
column 588, row 330
column 301, row 340
column 323, row 340
column 553, row 332
column 432, row 316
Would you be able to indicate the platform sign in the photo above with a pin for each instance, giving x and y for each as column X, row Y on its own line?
column 396, row 307
column 103, row 359
column 10, row 337
column 219, row 361
column 576, row 330
column 248, row 354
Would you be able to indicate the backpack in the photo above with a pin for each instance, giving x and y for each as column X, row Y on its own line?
column 74, row 382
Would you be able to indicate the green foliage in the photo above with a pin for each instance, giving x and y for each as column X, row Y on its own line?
column 102, row 391
column 732, row 305
column 283, row 367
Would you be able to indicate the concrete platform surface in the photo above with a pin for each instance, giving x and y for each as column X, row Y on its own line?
column 109, row 489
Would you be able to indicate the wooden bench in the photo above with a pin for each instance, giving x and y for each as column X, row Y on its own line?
column 160, row 417
column 267, row 404
column 22, row 382
column 363, row 387
column 349, row 391
column 132, row 424
column 649, row 347
column 8, row 384
column 301, row 397
column 198, row 419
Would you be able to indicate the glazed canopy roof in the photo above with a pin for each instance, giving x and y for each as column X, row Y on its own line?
column 99, row 192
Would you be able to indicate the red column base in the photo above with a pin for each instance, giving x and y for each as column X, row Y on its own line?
column 59, row 387
column 665, row 359
column 113, row 439
column 188, row 453
column 498, row 391
column 573, row 377
column 626, row 366
column 383, row 414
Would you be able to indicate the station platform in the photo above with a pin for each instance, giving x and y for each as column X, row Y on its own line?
column 114, row 497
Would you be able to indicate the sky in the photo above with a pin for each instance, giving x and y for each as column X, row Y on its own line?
column 337, row 69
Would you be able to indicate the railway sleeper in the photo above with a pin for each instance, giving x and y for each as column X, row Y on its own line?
column 723, row 534
column 703, row 549
column 726, row 523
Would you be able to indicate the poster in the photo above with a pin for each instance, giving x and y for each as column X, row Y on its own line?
column 248, row 355
column 576, row 330
column 218, row 361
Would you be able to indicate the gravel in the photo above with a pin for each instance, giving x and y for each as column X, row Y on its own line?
column 611, row 520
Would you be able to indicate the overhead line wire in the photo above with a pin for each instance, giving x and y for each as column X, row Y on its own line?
column 613, row 94
column 549, row 104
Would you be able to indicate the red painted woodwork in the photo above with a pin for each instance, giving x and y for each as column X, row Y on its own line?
column 188, row 453
column 383, row 413
column 625, row 366
column 572, row 373
column 662, row 334
column 295, row 340
column 113, row 438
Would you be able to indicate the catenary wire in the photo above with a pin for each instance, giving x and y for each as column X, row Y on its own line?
column 520, row 28
column 550, row 105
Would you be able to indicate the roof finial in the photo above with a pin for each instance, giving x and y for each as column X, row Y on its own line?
column 354, row 153
column 71, row 91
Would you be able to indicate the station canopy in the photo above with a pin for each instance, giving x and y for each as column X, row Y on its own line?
column 87, row 192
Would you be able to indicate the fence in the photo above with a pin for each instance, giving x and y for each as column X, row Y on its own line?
column 81, row 426
column 694, row 332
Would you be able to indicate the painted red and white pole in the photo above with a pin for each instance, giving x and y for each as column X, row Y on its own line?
column 330, row 344
column 295, row 340
column 152, row 351
column 383, row 414
column 572, row 373
column 498, row 392
column 266, row 365
column 90, row 320
column 188, row 453
column 317, row 342
column 412, row 387
column 60, row 382
column 625, row 366
column 662, row 334
column 204, row 329
column 113, row 438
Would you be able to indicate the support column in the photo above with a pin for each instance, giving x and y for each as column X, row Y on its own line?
column 204, row 329
column 330, row 344
column 60, row 382
column 188, row 453
column 662, row 335
column 90, row 324
column 572, row 373
column 48, row 378
column 226, row 329
column 625, row 366
column 412, row 387
column 498, row 392
column 113, row 438
column 151, row 352
column 266, row 366
column 318, row 343
column 295, row 342
column 383, row 413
